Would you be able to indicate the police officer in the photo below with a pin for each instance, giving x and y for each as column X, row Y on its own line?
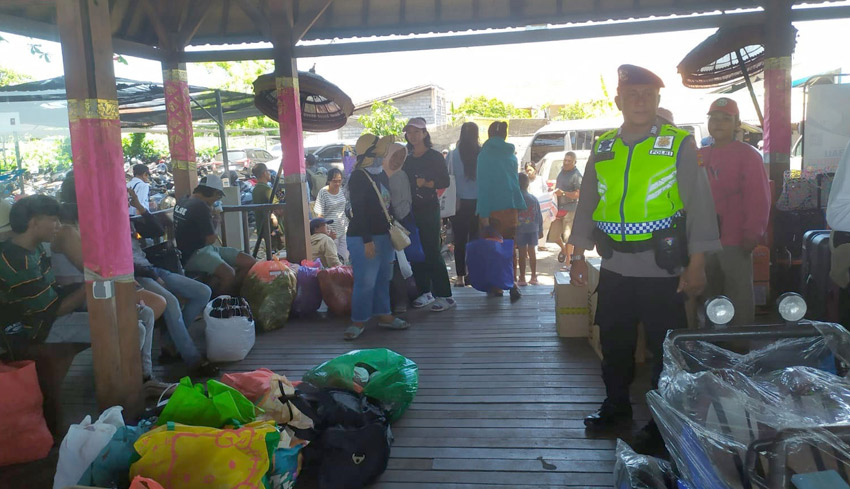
column 647, row 206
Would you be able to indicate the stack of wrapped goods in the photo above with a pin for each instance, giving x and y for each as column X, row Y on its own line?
column 777, row 416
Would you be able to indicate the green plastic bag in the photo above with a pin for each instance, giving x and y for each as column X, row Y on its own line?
column 215, row 406
column 379, row 373
column 270, row 289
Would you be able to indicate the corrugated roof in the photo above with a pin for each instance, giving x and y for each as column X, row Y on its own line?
column 222, row 22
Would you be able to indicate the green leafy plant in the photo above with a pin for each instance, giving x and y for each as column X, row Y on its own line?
column 589, row 109
column 384, row 120
column 491, row 108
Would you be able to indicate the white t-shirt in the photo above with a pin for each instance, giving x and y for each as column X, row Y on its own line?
column 332, row 206
column 142, row 190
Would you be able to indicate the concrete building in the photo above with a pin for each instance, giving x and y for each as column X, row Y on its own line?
column 426, row 101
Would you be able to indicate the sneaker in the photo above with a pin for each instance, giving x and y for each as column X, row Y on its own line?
column 206, row 369
column 648, row 441
column 515, row 294
column 609, row 415
column 423, row 300
column 443, row 304
column 154, row 388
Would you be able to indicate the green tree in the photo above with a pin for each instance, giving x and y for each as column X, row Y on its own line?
column 136, row 146
column 239, row 76
column 589, row 109
column 8, row 76
column 491, row 108
column 384, row 120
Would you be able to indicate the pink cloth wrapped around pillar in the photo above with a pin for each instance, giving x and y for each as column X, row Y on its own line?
column 777, row 106
column 181, row 141
column 101, row 188
column 289, row 116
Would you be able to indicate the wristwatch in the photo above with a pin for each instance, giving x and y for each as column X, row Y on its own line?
column 574, row 258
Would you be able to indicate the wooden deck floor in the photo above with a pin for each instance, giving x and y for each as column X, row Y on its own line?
column 500, row 403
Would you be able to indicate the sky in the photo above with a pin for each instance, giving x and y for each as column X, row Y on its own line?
column 522, row 74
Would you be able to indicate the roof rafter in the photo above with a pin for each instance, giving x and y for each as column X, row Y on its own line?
column 307, row 19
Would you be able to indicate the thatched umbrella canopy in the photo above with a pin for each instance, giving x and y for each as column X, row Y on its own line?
column 324, row 106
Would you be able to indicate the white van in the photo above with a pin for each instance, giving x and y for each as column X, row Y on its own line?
column 551, row 142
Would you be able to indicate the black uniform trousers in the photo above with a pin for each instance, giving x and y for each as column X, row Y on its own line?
column 623, row 302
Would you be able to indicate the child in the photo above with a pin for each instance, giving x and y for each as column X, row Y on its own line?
column 529, row 231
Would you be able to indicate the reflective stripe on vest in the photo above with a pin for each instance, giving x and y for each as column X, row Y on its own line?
column 638, row 189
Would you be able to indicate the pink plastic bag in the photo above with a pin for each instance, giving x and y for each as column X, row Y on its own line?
column 24, row 436
column 144, row 483
column 252, row 385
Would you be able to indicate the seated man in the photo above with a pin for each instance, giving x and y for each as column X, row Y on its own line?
column 322, row 242
column 176, row 342
column 196, row 239
column 26, row 280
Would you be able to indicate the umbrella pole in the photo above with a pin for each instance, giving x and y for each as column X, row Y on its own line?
column 750, row 86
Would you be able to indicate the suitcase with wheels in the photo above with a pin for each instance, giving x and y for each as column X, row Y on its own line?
column 818, row 289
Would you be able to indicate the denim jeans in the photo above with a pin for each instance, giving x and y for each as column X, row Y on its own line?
column 371, row 296
column 197, row 296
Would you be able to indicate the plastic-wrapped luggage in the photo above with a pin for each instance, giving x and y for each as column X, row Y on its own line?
column 229, row 329
column 379, row 373
column 308, row 297
column 733, row 420
column 270, row 289
column 635, row 471
column 490, row 264
column 337, row 285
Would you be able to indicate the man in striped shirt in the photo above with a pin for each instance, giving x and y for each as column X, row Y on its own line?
column 27, row 285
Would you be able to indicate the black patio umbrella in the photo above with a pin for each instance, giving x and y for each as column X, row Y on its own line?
column 726, row 57
column 324, row 106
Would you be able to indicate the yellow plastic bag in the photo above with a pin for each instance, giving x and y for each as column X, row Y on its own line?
column 196, row 457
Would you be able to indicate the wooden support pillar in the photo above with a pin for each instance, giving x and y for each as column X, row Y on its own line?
column 780, row 37
column 181, row 140
column 85, row 33
column 296, row 215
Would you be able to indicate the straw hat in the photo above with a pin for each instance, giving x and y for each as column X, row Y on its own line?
column 369, row 147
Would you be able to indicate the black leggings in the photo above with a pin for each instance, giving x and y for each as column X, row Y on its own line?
column 465, row 229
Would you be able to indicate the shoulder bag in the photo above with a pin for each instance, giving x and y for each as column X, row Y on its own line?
column 399, row 236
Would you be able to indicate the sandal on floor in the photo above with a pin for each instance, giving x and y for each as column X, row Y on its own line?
column 397, row 323
column 353, row 332
column 423, row 300
column 522, row 283
column 533, row 282
column 443, row 304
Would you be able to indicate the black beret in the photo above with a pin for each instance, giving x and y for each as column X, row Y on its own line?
column 635, row 75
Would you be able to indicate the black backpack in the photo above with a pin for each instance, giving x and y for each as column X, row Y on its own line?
column 350, row 440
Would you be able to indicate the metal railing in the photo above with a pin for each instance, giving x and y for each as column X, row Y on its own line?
column 263, row 228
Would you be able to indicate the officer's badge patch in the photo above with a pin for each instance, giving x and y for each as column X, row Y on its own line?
column 661, row 152
column 663, row 142
column 606, row 146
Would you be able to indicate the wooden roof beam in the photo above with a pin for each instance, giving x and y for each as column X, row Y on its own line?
column 261, row 22
column 49, row 32
column 525, row 36
column 165, row 42
column 198, row 10
column 306, row 19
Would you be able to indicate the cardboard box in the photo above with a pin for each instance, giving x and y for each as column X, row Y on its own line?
column 572, row 312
